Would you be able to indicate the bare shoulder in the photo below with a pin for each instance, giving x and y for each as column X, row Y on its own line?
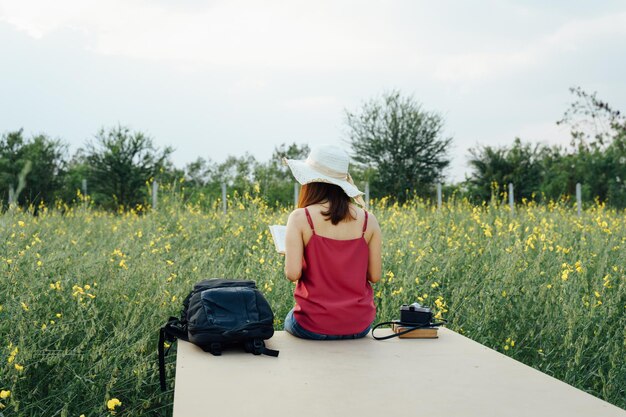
column 297, row 217
column 372, row 221
column 373, row 228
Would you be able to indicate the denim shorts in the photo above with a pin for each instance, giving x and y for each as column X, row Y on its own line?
column 292, row 327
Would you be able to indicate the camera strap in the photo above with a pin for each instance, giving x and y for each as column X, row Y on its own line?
column 409, row 328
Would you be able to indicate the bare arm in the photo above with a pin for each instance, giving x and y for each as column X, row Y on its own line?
column 374, row 269
column 294, row 246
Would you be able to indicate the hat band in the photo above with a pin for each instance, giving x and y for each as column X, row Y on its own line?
column 336, row 175
column 329, row 172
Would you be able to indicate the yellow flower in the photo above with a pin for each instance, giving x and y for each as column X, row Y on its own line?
column 5, row 394
column 112, row 403
column 261, row 261
column 19, row 368
column 578, row 267
column 21, row 223
column 25, row 306
column 13, row 354
column 506, row 347
column 549, row 286
column 77, row 290
column 504, row 293
column 396, row 292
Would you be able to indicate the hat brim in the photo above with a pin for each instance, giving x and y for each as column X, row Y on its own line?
column 305, row 174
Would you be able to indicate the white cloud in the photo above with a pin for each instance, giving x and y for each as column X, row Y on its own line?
column 231, row 34
column 569, row 37
column 291, row 36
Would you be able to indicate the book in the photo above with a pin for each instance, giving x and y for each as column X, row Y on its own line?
column 279, row 233
column 426, row 333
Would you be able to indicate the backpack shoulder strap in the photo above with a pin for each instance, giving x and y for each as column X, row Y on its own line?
column 257, row 347
column 173, row 329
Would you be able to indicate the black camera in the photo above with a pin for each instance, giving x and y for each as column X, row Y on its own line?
column 415, row 315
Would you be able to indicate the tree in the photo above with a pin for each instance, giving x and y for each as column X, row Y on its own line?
column 596, row 159
column 520, row 165
column 44, row 159
column 593, row 123
column 274, row 178
column 403, row 143
column 120, row 163
column 598, row 155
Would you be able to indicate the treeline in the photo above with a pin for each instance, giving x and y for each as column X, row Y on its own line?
column 596, row 158
column 118, row 168
column 398, row 148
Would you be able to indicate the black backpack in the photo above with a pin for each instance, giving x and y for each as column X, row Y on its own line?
column 218, row 314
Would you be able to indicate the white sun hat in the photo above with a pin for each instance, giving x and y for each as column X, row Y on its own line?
column 325, row 163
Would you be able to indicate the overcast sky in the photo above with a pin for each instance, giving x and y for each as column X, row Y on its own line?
column 218, row 78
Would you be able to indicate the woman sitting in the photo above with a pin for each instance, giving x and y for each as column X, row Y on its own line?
column 333, row 251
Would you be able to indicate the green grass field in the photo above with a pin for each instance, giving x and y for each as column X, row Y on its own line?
column 83, row 292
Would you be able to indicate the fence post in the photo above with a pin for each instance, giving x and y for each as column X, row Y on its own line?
column 578, row 197
column 296, row 194
column 439, row 196
column 84, row 187
column 367, row 195
column 511, row 198
column 11, row 195
column 224, row 205
column 155, row 193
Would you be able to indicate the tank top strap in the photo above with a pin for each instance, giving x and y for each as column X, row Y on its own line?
column 365, row 223
column 308, row 218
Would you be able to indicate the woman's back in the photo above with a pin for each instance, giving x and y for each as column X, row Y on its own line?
column 333, row 295
column 332, row 250
column 349, row 228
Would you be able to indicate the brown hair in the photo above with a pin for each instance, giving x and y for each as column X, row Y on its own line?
column 317, row 192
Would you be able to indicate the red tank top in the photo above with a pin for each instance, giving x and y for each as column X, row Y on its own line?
column 333, row 295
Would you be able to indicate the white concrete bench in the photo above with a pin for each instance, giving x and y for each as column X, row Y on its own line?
column 449, row 376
